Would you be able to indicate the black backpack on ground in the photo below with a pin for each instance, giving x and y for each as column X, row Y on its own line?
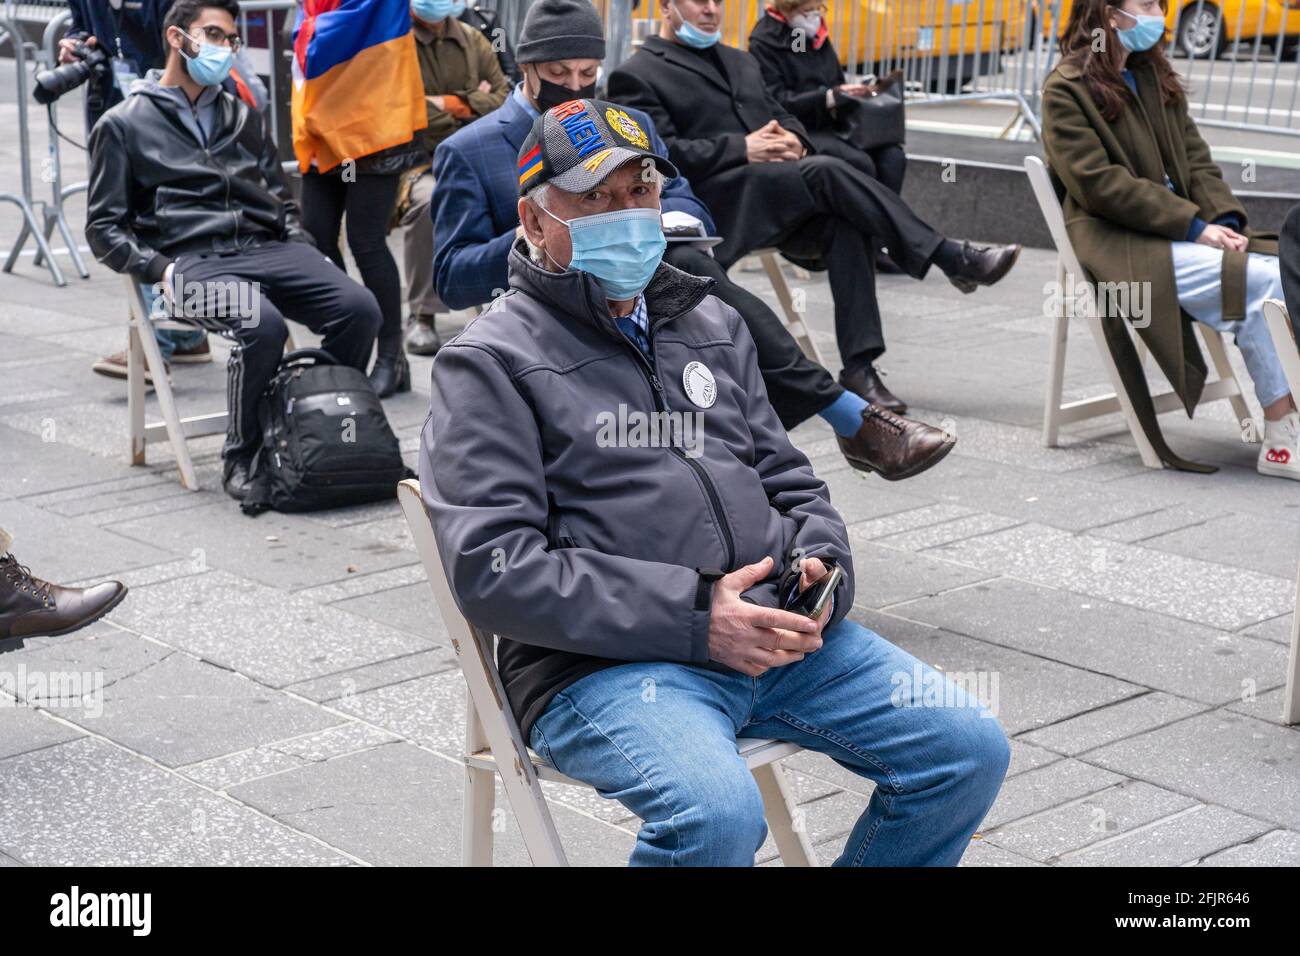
column 325, row 439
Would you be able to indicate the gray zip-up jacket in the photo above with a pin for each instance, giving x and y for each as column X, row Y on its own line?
column 575, row 542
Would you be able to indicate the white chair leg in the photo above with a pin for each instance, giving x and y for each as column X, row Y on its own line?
column 1144, row 447
column 1291, row 702
column 1060, row 337
column 791, row 839
column 1214, row 344
column 480, row 796
column 135, row 392
column 794, row 322
column 162, row 389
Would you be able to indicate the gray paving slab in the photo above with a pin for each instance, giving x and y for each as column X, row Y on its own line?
column 273, row 637
column 428, row 710
column 1150, row 524
column 1269, row 546
column 1154, row 650
column 1222, row 757
column 1187, row 837
column 885, row 576
column 1027, row 495
column 1044, row 788
column 222, row 773
column 1181, row 587
column 23, row 729
column 1275, row 848
column 396, row 670
column 1117, row 721
column 63, row 549
column 1060, row 830
column 286, row 551
column 89, row 803
column 181, row 710
column 399, row 805
column 1022, row 691
column 409, row 608
column 1279, row 629
column 983, row 853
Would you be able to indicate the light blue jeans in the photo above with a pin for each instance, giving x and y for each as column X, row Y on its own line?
column 660, row 738
column 1198, row 275
column 169, row 340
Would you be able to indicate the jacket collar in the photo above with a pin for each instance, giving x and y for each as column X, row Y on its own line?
column 670, row 294
column 426, row 36
column 514, row 122
column 679, row 55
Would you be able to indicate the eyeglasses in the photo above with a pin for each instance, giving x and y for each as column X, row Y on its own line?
column 219, row 37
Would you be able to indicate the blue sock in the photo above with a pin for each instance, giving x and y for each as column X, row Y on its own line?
column 845, row 413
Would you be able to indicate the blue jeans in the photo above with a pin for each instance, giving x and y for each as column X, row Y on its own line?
column 169, row 340
column 660, row 737
column 1198, row 273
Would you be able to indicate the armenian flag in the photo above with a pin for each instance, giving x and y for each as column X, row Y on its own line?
column 356, row 80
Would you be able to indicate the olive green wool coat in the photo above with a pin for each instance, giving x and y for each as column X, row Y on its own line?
column 1121, row 218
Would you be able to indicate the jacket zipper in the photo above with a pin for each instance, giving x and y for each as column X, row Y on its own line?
column 661, row 403
column 207, row 151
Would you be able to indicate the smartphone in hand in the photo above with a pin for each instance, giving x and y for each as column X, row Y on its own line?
column 814, row 600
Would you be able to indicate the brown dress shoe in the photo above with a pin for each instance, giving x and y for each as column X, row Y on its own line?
column 866, row 383
column 30, row 607
column 894, row 447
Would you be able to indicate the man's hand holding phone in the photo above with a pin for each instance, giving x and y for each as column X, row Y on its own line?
column 817, row 584
column 751, row 638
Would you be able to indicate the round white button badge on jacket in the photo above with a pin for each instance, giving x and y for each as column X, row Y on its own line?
column 699, row 384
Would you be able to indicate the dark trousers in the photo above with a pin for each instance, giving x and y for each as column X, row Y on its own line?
column 797, row 387
column 368, row 203
column 855, row 214
column 295, row 281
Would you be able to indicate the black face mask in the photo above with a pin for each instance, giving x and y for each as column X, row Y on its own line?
column 550, row 95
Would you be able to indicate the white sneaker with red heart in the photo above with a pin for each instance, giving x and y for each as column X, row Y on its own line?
column 1280, row 454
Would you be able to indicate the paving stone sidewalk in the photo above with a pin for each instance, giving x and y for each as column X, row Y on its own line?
column 281, row 689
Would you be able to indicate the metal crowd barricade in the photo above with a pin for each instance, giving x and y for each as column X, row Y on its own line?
column 38, row 229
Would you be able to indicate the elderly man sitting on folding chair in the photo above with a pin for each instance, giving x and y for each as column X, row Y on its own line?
column 615, row 498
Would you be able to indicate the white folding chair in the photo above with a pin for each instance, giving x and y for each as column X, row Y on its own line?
column 792, row 319
column 1279, row 327
column 494, row 745
column 143, row 353
column 1071, row 274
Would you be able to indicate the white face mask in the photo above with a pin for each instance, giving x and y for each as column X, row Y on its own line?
column 809, row 23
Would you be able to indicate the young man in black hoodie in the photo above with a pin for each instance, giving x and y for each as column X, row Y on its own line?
column 186, row 194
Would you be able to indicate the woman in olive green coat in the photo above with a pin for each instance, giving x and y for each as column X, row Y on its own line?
column 1145, row 203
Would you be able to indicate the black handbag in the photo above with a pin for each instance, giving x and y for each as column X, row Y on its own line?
column 870, row 121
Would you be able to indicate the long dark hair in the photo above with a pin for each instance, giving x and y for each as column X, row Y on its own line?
column 1102, row 68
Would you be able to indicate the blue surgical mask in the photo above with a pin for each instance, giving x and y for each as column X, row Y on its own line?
column 435, row 11
column 692, row 35
column 1146, row 33
column 212, row 64
column 620, row 249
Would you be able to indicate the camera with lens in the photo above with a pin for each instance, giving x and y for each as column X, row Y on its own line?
column 51, row 84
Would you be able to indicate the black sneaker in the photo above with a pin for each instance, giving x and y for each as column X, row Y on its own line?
column 235, row 479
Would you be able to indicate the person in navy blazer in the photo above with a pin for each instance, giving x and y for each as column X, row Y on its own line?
column 475, row 223
column 475, row 202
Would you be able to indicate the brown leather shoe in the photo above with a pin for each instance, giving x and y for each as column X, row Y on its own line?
column 866, row 383
column 894, row 447
column 30, row 607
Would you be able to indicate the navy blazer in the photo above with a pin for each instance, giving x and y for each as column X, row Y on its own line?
column 475, row 202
